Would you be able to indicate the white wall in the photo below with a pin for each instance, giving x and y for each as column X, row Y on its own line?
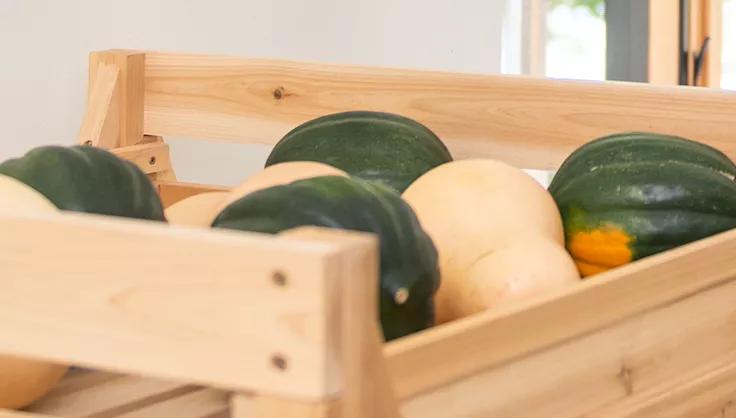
column 44, row 46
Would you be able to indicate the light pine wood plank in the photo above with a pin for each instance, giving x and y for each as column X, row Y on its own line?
column 131, row 65
column 275, row 407
column 202, row 403
column 110, row 396
column 708, row 392
column 578, row 377
column 200, row 302
column 101, row 124
column 529, row 122
column 464, row 348
column 150, row 158
column 367, row 388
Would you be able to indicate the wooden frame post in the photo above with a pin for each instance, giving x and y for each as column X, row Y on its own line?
column 101, row 124
column 114, row 117
column 367, row 389
column 131, row 65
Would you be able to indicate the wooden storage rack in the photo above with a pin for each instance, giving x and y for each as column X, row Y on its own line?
column 171, row 321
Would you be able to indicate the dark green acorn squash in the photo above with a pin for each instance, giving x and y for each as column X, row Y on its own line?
column 87, row 179
column 371, row 145
column 630, row 195
column 408, row 258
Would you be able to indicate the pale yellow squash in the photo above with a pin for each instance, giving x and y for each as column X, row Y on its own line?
column 17, row 196
column 280, row 174
column 198, row 210
column 23, row 381
column 473, row 208
column 527, row 268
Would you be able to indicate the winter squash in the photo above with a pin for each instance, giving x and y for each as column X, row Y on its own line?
column 630, row 195
column 408, row 259
column 278, row 174
column 198, row 210
column 386, row 147
column 481, row 214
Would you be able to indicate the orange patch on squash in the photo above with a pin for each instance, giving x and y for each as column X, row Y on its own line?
column 599, row 250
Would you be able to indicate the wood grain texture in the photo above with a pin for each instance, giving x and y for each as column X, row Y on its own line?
column 611, row 364
column 110, row 397
column 204, row 304
column 708, row 391
column 172, row 191
column 150, row 158
column 466, row 347
column 529, row 122
column 93, row 393
column 202, row 403
column 132, row 69
column 367, row 388
column 101, row 124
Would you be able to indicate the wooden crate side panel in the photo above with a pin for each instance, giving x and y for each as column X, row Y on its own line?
column 170, row 302
column 530, row 122
column 98, row 393
column 172, row 191
column 579, row 377
column 710, row 392
column 494, row 338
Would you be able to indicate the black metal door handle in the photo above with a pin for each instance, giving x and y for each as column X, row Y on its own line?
column 699, row 60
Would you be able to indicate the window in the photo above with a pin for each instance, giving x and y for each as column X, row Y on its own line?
column 576, row 39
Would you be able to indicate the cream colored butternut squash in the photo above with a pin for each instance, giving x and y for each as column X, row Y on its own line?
column 280, row 174
column 198, row 210
column 484, row 217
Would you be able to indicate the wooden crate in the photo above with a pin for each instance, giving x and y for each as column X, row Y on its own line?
column 174, row 321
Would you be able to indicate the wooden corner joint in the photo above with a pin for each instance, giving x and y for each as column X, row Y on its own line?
column 114, row 116
column 151, row 158
column 101, row 124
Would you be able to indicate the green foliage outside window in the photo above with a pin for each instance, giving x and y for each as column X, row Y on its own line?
column 595, row 7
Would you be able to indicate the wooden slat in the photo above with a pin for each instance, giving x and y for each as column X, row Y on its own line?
column 109, row 397
column 530, row 122
column 276, row 407
column 577, row 378
column 172, row 192
column 708, row 394
column 101, row 124
column 202, row 403
column 150, row 158
column 131, row 65
column 203, row 303
column 491, row 339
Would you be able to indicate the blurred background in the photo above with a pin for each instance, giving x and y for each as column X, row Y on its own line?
column 45, row 45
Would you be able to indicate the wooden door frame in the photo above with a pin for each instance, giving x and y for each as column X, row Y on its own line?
column 690, row 22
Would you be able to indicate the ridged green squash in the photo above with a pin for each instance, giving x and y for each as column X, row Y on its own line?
column 371, row 145
column 87, row 179
column 630, row 195
column 408, row 258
